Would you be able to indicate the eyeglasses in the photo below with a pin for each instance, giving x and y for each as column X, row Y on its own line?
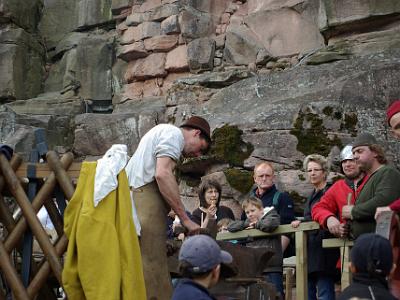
column 315, row 170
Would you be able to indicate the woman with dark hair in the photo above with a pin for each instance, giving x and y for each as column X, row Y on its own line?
column 210, row 197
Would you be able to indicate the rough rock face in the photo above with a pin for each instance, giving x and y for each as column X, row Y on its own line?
column 52, row 111
column 84, row 65
column 277, row 79
column 58, row 20
column 21, row 64
column 95, row 133
column 298, row 35
column 25, row 14
column 340, row 16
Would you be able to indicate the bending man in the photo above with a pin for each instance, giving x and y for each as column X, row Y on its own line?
column 155, row 190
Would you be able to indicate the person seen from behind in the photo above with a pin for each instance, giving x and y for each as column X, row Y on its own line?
column 371, row 263
column 200, row 260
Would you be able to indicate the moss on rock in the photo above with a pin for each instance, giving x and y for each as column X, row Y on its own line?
column 229, row 147
column 337, row 115
column 312, row 136
column 240, row 180
column 350, row 123
column 328, row 110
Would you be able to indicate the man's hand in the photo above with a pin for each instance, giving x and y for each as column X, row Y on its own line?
column 191, row 226
column 336, row 228
column 380, row 210
column 346, row 211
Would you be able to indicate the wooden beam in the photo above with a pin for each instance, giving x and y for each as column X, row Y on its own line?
column 344, row 246
column 30, row 216
column 301, row 265
column 301, row 249
column 336, row 243
column 44, row 193
column 345, row 279
column 44, row 170
column 11, row 274
column 255, row 233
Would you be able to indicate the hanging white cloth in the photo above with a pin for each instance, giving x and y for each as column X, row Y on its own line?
column 106, row 177
column 107, row 170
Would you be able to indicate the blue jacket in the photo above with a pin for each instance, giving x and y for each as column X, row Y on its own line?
column 284, row 207
column 188, row 289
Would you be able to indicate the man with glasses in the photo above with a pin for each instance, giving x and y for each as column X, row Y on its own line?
column 155, row 190
column 381, row 189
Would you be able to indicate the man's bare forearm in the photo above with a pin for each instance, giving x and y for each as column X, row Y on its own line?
column 169, row 187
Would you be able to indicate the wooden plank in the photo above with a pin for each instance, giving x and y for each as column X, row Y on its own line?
column 289, row 274
column 301, row 266
column 346, row 274
column 306, row 226
column 344, row 246
column 43, row 170
column 336, row 243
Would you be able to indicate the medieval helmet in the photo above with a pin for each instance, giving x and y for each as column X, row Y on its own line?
column 346, row 153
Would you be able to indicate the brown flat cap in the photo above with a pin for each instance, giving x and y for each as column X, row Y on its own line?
column 198, row 123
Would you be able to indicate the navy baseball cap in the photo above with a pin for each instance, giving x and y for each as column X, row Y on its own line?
column 372, row 254
column 203, row 253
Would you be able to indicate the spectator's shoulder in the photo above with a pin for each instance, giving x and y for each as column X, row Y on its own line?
column 285, row 196
column 390, row 170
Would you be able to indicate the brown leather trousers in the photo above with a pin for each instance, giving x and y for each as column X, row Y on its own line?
column 152, row 210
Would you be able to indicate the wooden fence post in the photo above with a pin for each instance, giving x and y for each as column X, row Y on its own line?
column 301, row 265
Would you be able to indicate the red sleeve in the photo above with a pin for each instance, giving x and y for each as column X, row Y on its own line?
column 325, row 208
column 395, row 206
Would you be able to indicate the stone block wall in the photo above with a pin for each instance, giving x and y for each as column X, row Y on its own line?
column 289, row 77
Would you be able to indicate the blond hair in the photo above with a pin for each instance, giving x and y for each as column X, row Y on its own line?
column 252, row 201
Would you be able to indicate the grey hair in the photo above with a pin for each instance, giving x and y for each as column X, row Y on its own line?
column 319, row 159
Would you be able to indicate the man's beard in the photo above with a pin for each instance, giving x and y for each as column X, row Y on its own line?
column 365, row 166
column 354, row 175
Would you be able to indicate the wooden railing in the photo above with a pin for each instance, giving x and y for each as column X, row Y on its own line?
column 344, row 246
column 301, row 248
column 34, row 276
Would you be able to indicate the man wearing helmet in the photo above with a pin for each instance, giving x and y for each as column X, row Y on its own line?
column 328, row 211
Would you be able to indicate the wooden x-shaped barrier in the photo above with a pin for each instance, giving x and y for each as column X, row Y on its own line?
column 52, row 173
